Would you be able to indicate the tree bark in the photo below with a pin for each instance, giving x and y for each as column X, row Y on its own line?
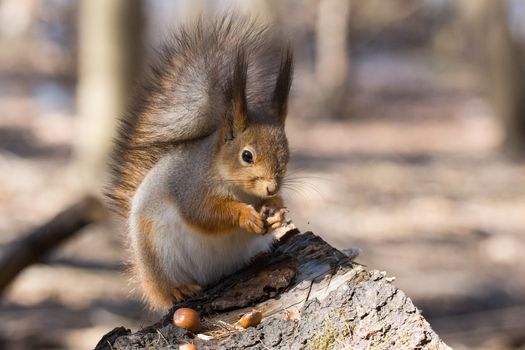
column 312, row 296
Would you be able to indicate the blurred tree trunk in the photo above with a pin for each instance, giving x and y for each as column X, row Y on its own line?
column 110, row 55
column 332, row 66
column 268, row 10
column 486, row 25
column 191, row 9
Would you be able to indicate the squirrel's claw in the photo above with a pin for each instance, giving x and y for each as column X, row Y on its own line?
column 277, row 219
column 252, row 221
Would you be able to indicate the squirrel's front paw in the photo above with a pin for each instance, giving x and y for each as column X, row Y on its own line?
column 252, row 221
column 275, row 218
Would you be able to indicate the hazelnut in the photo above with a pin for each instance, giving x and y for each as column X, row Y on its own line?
column 187, row 318
column 187, row 347
column 251, row 319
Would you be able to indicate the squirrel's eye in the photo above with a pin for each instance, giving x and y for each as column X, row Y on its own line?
column 247, row 156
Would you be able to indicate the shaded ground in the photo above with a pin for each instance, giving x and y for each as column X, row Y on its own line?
column 415, row 181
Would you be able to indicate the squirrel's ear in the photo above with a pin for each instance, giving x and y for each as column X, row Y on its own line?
column 237, row 121
column 283, row 84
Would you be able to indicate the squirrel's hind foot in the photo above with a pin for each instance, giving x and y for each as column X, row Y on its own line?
column 181, row 293
column 162, row 297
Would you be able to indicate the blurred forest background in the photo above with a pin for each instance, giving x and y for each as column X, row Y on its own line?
column 407, row 126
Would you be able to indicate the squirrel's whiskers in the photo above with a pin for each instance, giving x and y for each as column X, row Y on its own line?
column 302, row 187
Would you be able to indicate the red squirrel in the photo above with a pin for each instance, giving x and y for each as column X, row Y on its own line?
column 201, row 157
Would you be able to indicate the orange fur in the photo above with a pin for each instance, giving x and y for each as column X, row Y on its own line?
column 274, row 202
column 220, row 214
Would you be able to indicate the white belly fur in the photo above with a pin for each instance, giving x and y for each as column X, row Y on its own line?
column 190, row 257
column 185, row 255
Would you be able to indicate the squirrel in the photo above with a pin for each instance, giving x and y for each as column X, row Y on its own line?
column 200, row 157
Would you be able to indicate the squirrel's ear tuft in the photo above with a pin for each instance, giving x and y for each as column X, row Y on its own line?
column 237, row 120
column 283, row 84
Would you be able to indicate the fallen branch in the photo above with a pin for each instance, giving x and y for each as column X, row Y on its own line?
column 37, row 244
column 312, row 297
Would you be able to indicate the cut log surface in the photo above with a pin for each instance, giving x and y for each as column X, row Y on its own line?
column 312, row 296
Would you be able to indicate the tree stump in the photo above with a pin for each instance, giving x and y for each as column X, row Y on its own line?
column 312, row 296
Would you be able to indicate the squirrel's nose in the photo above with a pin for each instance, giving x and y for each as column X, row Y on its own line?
column 271, row 188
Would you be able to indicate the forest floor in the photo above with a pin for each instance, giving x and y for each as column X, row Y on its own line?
column 414, row 179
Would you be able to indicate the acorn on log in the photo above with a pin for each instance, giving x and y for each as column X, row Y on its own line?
column 187, row 318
